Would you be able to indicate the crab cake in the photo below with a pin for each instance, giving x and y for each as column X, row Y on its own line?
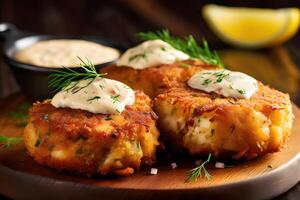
column 93, row 144
column 156, row 80
column 201, row 123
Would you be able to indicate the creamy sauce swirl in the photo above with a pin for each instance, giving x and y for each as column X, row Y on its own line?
column 225, row 82
column 102, row 95
column 151, row 53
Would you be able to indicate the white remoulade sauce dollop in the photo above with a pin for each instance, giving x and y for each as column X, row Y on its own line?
column 100, row 95
column 151, row 53
column 225, row 82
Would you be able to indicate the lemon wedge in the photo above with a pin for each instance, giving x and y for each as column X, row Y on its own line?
column 252, row 27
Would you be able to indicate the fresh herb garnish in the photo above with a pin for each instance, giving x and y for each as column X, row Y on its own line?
column 187, row 45
column 101, row 86
column 138, row 56
column 115, row 98
column 7, row 142
column 107, row 118
column 21, row 115
column 199, row 171
column 68, row 79
column 220, row 75
column 38, row 142
column 94, row 98
column 118, row 111
column 138, row 145
column 206, row 82
column 241, row 91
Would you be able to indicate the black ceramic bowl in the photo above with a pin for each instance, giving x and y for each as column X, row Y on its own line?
column 32, row 79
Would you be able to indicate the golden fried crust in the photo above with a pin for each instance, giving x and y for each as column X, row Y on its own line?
column 87, row 143
column 156, row 80
column 200, row 122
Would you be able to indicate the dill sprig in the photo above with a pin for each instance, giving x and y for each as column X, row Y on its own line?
column 7, row 142
column 68, row 79
column 188, row 45
column 199, row 171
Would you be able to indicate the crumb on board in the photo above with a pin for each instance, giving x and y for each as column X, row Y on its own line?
column 153, row 171
column 174, row 165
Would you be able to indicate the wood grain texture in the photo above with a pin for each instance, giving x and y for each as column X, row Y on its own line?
column 167, row 180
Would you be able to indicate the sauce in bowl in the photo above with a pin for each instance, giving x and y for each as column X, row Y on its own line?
column 65, row 52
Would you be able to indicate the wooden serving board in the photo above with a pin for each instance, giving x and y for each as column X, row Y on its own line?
column 22, row 178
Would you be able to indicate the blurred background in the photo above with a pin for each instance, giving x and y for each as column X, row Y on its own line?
column 120, row 20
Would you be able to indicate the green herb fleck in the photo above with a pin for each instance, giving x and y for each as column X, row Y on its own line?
column 206, row 82
column 94, row 98
column 138, row 145
column 220, row 76
column 199, row 171
column 38, row 142
column 241, row 91
column 107, row 118
column 115, row 98
column 101, row 86
column 137, row 56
